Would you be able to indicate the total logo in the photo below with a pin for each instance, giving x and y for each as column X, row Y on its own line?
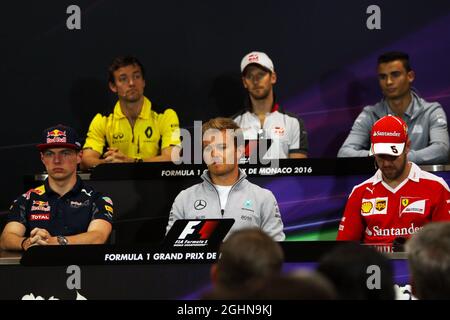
column 390, row 232
column 40, row 217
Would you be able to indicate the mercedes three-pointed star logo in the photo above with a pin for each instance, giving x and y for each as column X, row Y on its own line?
column 200, row 204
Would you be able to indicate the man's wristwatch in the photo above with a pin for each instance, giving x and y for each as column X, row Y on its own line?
column 62, row 240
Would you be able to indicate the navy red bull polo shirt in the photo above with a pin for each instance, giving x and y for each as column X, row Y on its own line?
column 67, row 215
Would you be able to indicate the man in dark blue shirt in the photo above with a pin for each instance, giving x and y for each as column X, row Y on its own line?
column 63, row 210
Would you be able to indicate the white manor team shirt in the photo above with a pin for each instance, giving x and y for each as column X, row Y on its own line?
column 377, row 214
column 287, row 132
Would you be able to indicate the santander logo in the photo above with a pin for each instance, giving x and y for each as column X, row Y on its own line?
column 389, row 232
column 386, row 134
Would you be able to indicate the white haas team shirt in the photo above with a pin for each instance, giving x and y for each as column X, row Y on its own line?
column 286, row 130
column 376, row 213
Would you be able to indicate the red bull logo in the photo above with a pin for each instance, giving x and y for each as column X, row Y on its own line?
column 40, row 206
column 56, row 136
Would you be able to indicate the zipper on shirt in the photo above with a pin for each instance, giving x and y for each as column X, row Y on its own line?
column 260, row 132
column 132, row 130
column 138, row 149
column 222, row 211
column 228, row 196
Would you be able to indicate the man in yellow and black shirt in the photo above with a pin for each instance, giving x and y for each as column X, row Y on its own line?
column 133, row 132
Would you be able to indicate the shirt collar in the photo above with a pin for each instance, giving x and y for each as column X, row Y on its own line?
column 144, row 114
column 414, row 174
column 75, row 190
column 205, row 176
column 248, row 104
column 409, row 110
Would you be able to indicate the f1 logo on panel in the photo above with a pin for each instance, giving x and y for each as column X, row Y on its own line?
column 189, row 229
column 202, row 232
column 197, row 232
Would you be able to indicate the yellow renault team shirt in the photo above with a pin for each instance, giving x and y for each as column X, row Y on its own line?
column 152, row 132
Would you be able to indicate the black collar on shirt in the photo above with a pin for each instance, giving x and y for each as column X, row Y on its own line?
column 75, row 190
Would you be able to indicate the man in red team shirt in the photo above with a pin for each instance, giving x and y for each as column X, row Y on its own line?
column 400, row 198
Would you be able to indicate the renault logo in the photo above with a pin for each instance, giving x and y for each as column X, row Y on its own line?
column 200, row 204
column 149, row 132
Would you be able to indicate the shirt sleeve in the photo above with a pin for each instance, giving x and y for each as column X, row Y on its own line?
column 438, row 149
column 170, row 129
column 298, row 137
column 96, row 136
column 176, row 212
column 357, row 143
column 18, row 210
column 442, row 209
column 103, row 208
column 352, row 226
column 271, row 222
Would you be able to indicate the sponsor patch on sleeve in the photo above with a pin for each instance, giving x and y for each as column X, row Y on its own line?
column 108, row 200
column 109, row 209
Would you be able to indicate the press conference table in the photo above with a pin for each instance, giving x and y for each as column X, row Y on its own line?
column 311, row 194
column 136, row 272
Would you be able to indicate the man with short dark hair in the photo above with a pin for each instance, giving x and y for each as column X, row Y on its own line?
column 429, row 261
column 262, row 117
column 248, row 258
column 134, row 132
column 400, row 198
column 347, row 267
column 225, row 192
column 247, row 255
column 427, row 122
column 64, row 210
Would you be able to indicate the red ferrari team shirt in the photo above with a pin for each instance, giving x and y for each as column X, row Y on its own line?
column 376, row 213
